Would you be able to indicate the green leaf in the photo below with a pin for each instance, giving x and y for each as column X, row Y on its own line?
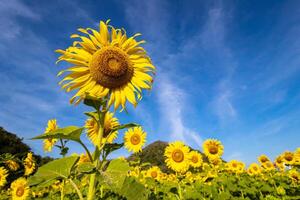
column 68, row 133
column 60, row 168
column 93, row 102
column 93, row 115
column 123, row 126
column 108, row 148
column 116, row 173
column 86, row 167
column 133, row 190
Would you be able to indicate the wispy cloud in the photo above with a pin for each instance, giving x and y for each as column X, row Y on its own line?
column 10, row 10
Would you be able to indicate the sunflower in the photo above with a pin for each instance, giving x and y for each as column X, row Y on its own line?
column 20, row 189
column 110, row 122
column 294, row 175
column 268, row 166
column 215, row 162
column 288, row 157
column 177, row 156
column 195, row 159
column 3, row 175
column 12, row 165
column 107, row 62
column 213, row 148
column 297, row 156
column 254, row 169
column 29, row 164
column 279, row 162
column 263, row 158
column 154, row 172
column 134, row 139
column 50, row 142
column 235, row 166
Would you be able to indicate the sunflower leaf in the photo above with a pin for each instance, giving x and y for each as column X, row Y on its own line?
column 108, row 148
column 60, row 168
column 123, row 126
column 68, row 133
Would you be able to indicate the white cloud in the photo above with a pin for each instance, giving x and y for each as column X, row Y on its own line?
column 9, row 11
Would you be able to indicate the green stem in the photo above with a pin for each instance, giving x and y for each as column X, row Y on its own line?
column 76, row 188
column 87, row 150
column 62, row 190
column 96, row 161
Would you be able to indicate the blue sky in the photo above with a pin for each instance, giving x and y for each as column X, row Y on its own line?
column 228, row 70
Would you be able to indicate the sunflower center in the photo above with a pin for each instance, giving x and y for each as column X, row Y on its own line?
column 135, row 139
column 20, row 191
column 264, row 159
column 29, row 164
column 154, row 174
column 234, row 165
column 111, row 67
column 177, row 155
column 194, row 159
column 213, row 150
column 289, row 157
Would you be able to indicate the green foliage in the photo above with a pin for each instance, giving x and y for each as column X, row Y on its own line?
column 53, row 170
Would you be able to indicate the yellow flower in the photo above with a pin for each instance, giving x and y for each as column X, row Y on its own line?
column 12, row 165
column 20, row 189
column 288, row 157
column 3, row 175
column 177, row 156
column 297, row 156
column 50, row 142
column 254, row 169
column 106, row 62
column 235, row 166
column 294, row 175
column 195, row 159
column 110, row 122
column 134, row 139
column 216, row 162
column 268, row 166
column 263, row 158
column 29, row 164
column 154, row 172
column 213, row 148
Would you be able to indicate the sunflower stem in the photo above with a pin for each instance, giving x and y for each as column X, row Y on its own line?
column 96, row 160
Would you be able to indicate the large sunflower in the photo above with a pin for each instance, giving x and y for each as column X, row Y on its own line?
column 107, row 62
column 177, row 156
column 213, row 148
column 110, row 122
column 50, row 142
column 134, row 139
column 29, row 164
column 195, row 159
column 3, row 175
column 20, row 189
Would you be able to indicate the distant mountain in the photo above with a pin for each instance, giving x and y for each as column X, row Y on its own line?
column 11, row 143
column 154, row 154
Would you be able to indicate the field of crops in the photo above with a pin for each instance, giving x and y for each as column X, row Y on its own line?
column 108, row 71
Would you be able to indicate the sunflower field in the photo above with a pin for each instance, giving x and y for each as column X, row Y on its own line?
column 109, row 70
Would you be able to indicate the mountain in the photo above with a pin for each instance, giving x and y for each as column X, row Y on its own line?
column 12, row 144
